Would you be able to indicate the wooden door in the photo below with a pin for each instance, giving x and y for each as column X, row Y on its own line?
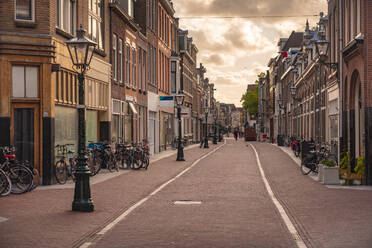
column 25, row 126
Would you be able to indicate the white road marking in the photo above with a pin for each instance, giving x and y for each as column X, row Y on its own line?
column 2, row 219
column 187, row 202
column 109, row 226
column 292, row 230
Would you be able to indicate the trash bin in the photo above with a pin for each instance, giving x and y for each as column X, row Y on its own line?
column 280, row 140
column 306, row 147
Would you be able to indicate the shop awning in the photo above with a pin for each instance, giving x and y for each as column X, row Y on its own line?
column 133, row 108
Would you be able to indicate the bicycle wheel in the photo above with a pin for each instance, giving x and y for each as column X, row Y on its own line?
column 111, row 163
column 21, row 178
column 307, row 168
column 73, row 167
column 97, row 162
column 145, row 162
column 5, row 184
column 127, row 161
column 61, row 172
column 296, row 152
column 36, row 179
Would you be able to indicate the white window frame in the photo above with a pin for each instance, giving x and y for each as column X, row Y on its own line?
column 115, row 55
column 32, row 12
column 120, row 65
column 25, row 79
column 134, row 68
column 97, row 15
column 70, row 16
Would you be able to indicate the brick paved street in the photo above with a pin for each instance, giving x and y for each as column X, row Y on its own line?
column 232, row 206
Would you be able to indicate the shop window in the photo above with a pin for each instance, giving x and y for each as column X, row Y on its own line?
column 66, row 125
column 91, row 122
column 25, row 81
column 25, row 10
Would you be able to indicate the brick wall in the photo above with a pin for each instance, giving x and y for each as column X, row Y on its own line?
column 41, row 25
column 368, row 50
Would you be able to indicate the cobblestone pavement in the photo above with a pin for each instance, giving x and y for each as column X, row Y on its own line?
column 217, row 198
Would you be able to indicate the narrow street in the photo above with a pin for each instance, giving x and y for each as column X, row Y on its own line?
column 217, row 198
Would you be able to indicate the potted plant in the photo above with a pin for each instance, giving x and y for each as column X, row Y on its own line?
column 360, row 167
column 345, row 164
column 328, row 172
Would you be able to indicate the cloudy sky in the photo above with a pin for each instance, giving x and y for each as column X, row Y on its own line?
column 236, row 50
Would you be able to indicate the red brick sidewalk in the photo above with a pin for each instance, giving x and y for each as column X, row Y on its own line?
column 325, row 217
column 43, row 218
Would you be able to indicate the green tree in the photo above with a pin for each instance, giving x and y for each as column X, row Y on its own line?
column 250, row 101
column 250, row 98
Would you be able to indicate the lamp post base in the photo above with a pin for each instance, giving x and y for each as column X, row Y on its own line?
column 206, row 143
column 180, row 156
column 82, row 199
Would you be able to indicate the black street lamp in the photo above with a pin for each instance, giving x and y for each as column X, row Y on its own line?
column 206, row 128
column 293, row 91
column 81, row 51
column 215, row 127
column 179, row 102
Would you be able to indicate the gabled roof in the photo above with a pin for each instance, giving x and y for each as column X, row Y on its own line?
column 294, row 40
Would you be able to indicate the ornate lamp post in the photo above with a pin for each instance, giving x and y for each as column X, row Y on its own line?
column 206, row 127
column 215, row 126
column 179, row 101
column 81, row 52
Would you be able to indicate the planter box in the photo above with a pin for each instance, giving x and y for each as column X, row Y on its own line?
column 330, row 175
column 320, row 173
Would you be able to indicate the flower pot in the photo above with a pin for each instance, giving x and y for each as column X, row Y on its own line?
column 321, row 173
column 330, row 175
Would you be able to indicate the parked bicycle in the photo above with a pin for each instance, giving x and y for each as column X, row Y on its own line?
column 65, row 167
column 312, row 155
column 15, row 176
column 95, row 152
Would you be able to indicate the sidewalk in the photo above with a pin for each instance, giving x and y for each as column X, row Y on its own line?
column 314, row 176
column 105, row 175
column 324, row 216
column 43, row 218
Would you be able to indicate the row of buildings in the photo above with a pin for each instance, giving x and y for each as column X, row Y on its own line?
column 141, row 60
column 319, row 86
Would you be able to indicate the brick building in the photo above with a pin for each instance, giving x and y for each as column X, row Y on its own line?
column 38, row 84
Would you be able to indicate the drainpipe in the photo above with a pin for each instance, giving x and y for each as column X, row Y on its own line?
column 341, row 84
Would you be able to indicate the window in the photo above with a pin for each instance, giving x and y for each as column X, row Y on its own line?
column 115, row 56
column 134, row 67
column 66, row 87
column 140, row 68
column 173, row 77
column 144, row 70
column 130, row 8
column 25, row 10
column 66, row 15
column 120, row 61
column 118, row 118
column 95, row 20
column 25, row 81
column 127, row 58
